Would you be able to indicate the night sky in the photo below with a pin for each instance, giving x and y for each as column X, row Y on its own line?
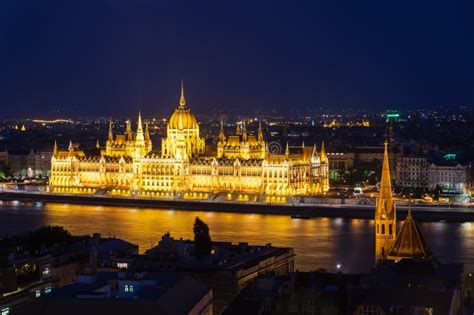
column 114, row 56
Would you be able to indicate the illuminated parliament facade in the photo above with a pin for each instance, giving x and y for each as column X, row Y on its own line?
column 242, row 168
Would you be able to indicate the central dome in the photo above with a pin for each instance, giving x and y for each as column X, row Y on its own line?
column 182, row 117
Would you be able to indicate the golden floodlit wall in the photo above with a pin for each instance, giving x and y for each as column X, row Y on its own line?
column 242, row 167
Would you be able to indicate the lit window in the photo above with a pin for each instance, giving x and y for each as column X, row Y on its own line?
column 47, row 290
column 37, row 293
column 5, row 311
column 130, row 288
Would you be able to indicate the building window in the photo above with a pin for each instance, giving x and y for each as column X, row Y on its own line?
column 128, row 288
column 383, row 228
column 390, row 229
column 37, row 293
column 370, row 310
column 47, row 290
column 6, row 311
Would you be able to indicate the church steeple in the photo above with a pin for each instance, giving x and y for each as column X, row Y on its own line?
column 385, row 213
column 287, row 150
column 385, row 181
column 182, row 100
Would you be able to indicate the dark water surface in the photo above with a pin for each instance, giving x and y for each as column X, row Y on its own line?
column 318, row 243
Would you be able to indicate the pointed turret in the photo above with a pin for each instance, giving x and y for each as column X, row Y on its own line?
column 221, row 133
column 55, row 148
column 315, row 160
column 97, row 144
column 128, row 131
column 409, row 243
column 244, row 132
column 237, row 128
column 287, row 150
column 140, row 126
column 324, row 157
column 260, row 132
column 147, row 132
column 182, row 100
column 71, row 147
column 139, row 137
column 385, row 213
column 111, row 133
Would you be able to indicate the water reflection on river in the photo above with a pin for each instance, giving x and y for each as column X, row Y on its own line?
column 319, row 242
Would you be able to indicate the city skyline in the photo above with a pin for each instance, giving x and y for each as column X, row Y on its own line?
column 95, row 56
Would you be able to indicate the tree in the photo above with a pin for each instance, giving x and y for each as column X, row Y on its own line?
column 48, row 236
column 202, row 239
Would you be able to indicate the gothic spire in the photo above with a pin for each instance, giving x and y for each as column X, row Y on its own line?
column 55, row 149
column 237, row 128
column 182, row 100
column 221, row 133
column 315, row 155
column 385, row 182
column 97, row 144
column 129, row 131
column 71, row 147
column 111, row 133
column 244, row 132
column 147, row 132
column 324, row 157
column 140, row 126
column 260, row 132
column 287, row 150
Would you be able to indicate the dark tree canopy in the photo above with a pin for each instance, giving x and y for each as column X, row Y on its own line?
column 48, row 236
column 202, row 239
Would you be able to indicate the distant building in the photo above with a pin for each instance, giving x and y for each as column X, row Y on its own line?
column 449, row 177
column 429, row 173
column 27, row 162
column 412, row 172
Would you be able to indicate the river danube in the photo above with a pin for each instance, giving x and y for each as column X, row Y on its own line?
column 318, row 243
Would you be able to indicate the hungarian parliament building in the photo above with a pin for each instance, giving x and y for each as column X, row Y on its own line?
column 242, row 169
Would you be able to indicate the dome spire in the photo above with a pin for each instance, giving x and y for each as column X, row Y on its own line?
column 182, row 100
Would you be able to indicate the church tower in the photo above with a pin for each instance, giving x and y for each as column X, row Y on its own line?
column 385, row 214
